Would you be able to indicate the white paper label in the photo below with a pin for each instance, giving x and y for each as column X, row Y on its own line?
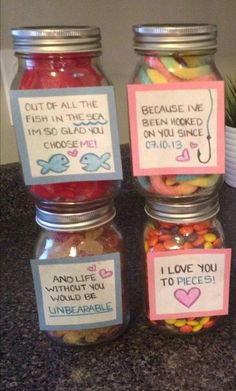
column 67, row 134
column 177, row 128
column 83, row 293
column 188, row 283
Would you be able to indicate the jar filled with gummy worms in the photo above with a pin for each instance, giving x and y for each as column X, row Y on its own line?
column 62, row 57
column 191, row 227
column 178, row 53
column 88, row 287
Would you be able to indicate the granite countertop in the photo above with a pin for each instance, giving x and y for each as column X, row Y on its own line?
column 141, row 359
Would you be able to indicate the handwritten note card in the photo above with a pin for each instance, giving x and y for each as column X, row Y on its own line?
column 177, row 128
column 188, row 283
column 78, row 293
column 67, row 134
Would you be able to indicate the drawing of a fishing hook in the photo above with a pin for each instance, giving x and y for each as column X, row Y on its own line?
column 208, row 136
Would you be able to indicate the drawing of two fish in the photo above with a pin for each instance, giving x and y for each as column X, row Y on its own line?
column 59, row 163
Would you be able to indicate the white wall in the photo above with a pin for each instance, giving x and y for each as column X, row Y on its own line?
column 115, row 18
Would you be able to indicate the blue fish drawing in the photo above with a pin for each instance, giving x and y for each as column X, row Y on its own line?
column 56, row 163
column 93, row 162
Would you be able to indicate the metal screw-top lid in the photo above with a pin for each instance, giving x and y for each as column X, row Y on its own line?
column 175, row 37
column 75, row 221
column 56, row 39
column 183, row 212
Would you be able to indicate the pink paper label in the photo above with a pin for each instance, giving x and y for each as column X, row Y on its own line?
column 189, row 283
column 177, row 128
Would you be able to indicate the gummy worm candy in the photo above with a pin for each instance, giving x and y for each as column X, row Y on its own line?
column 172, row 69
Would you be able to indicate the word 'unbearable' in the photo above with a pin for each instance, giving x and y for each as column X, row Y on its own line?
column 79, row 310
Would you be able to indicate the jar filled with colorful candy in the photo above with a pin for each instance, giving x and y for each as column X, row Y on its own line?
column 80, row 268
column 176, row 55
column 181, row 246
column 57, row 58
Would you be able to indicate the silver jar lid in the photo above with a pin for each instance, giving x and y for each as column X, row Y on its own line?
column 75, row 221
column 175, row 37
column 182, row 212
column 56, row 39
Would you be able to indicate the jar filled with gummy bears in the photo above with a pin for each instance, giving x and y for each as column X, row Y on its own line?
column 173, row 56
column 80, row 268
column 57, row 58
column 183, row 274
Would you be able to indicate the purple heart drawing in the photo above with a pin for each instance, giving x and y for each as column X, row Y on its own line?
column 187, row 298
column 184, row 157
column 105, row 273
column 72, row 152
column 193, row 145
column 92, row 268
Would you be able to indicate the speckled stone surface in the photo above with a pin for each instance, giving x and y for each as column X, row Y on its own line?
column 141, row 359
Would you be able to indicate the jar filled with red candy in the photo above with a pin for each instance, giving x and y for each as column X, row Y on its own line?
column 84, row 287
column 185, row 233
column 171, row 55
column 62, row 57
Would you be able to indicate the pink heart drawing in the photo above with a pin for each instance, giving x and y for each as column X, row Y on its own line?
column 193, row 145
column 184, row 157
column 92, row 268
column 72, row 152
column 105, row 273
column 187, row 298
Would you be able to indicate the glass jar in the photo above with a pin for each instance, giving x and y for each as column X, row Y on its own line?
column 184, row 231
column 178, row 53
column 96, row 284
column 62, row 57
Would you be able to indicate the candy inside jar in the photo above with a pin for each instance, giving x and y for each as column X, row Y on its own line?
column 182, row 227
column 175, row 186
column 62, row 57
column 78, row 235
column 170, row 54
column 76, row 192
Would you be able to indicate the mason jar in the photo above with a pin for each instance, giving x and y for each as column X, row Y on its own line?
column 62, row 57
column 175, row 54
column 182, row 244
column 83, row 287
